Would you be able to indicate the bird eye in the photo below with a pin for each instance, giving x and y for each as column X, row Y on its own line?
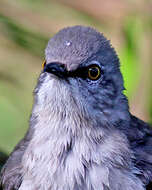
column 43, row 64
column 94, row 72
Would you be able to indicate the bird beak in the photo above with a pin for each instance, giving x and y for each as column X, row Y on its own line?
column 55, row 68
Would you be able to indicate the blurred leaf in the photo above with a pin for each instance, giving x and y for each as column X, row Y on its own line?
column 8, row 78
column 12, row 123
column 33, row 42
column 129, row 55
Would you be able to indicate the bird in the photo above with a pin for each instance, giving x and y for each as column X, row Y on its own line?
column 82, row 135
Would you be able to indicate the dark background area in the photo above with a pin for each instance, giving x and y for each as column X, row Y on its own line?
column 26, row 26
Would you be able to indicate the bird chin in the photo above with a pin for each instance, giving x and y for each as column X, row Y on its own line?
column 51, row 90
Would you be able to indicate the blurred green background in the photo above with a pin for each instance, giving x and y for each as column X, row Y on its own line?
column 26, row 26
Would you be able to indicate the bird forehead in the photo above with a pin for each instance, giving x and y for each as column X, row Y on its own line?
column 73, row 45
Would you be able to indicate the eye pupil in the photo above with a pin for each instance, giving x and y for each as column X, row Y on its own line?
column 94, row 72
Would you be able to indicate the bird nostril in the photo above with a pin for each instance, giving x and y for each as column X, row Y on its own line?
column 63, row 66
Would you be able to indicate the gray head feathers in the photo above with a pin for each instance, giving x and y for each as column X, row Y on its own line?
column 74, row 45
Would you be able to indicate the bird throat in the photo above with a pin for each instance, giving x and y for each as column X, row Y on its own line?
column 57, row 140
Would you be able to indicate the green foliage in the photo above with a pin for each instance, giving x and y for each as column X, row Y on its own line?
column 129, row 55
column 31, row 41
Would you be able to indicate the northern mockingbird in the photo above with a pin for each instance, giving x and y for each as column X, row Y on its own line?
column 81, row 135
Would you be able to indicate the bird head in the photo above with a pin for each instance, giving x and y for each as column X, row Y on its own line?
column 81, row 75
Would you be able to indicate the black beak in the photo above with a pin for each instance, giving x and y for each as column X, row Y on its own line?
column 57, row 69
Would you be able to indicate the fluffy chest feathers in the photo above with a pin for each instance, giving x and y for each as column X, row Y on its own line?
column 67, row 152
column 57, row 160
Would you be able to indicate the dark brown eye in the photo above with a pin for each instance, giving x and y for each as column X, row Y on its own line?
column 94, row 72
column 43, row 64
